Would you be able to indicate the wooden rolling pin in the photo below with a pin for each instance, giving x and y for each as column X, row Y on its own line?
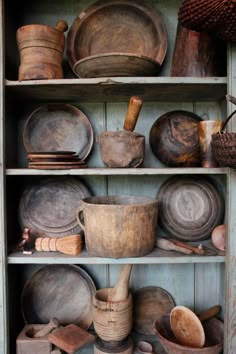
column 71, row 245
column 168, row 245
column 120, row 291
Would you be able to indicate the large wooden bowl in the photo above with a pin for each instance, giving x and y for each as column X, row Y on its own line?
column 117, row 26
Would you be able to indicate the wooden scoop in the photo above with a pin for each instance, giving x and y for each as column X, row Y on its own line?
column 168, row 245
column 54, row 323
column 187, row 326
column 134, row 108
column 120, row 291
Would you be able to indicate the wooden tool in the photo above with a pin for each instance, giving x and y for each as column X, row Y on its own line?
column 54, row 323
column 120, row 291
column 187, row 326
column 218, row 237
column 127, row 146
column 197, row 250
column 71, row 245
column 168, row 245
column 71, row 338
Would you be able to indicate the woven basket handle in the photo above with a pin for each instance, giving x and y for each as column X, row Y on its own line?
column 232, row 99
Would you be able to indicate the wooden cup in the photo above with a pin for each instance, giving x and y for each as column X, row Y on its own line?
column 205, row 131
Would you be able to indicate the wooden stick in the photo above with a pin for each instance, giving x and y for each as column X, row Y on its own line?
column 196, row 250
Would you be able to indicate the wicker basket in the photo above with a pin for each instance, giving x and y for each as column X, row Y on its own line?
column 224, row 146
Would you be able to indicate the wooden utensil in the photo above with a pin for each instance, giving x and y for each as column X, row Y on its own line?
column 63, row 291
column 168, row 245
column 60, row 127
column 150, row 303
column 71, row 245
column 218, row 237
column 190, row 207
column 174, row 139
column 197, row 250
column 120, row 291
column 71, row 338
column 127, row 147
column 110, row 26
column 187, row 326
column 54, row 323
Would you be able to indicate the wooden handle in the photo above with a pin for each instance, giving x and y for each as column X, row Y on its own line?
column 62, row 26
column 54, row 323
column 170, row 246
column 46, row 244
column 120, row 291
column 134, row 108
column 192, row 248
column 213, row 311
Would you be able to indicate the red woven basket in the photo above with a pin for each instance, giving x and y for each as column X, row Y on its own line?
column 224, row 146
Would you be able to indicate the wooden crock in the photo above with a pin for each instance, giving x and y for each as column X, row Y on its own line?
column 118, row 226
column 41, row 50
column 112, row 320
column 122, row 347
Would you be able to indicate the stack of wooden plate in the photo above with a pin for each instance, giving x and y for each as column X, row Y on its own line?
column 57, row 160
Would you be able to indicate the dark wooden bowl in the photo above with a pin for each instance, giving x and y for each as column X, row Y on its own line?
column 174, row 139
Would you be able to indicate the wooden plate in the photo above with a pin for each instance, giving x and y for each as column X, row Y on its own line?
column 190, row 207
column 107, row 65
column 117, row 26
column 58, row 127
column 62, row 291
column 174, row 139
column 48, row 207
column 150, row 303
column 50, row 154
column 56, row 167
column 59, row 163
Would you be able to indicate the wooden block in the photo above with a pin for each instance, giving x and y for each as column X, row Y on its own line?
column 71, row 338
column 26, row 344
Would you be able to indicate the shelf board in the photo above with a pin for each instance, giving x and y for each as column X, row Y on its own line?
column 156, row 257
column 161, row 89
column 117, row 171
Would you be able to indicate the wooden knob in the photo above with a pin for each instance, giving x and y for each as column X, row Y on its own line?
column 62, row 26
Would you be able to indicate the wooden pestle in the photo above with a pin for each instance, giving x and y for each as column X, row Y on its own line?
column 120, row 291
column 135, row 105
column 54, row 323
column 211, row 312
column 62, row 26
column 168, row 245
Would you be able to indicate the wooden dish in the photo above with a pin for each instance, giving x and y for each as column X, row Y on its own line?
column 48, row 207
column 117, row 26
column 189, row 207
column 174, row 139
column 150, row 303
column 56, row 167
column 62, row 291
column 114, row 64
column 58, row 127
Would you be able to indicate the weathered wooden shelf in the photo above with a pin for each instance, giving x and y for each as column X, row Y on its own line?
column 161, row 89
column 156, row 257
column 117, row 171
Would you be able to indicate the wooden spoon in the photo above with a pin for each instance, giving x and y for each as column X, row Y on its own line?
column 120, row 291
column 168, row 245
column 187, row 326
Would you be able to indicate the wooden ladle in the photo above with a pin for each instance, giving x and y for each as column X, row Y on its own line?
column 120, row 291
column 187, row 326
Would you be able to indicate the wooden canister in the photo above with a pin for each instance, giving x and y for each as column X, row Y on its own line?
column 112, row 320
column 118, row 226
column 41, row 50
column 121, row 347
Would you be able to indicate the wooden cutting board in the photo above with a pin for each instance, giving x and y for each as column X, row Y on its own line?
column 150, row 303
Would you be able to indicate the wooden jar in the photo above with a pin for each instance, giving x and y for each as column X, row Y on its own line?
column 118, row 226
column 112, row 320
column 41, row 50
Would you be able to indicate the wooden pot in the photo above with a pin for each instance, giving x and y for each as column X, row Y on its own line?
column 41, row 50
column 118, row 226
column 112, row 320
